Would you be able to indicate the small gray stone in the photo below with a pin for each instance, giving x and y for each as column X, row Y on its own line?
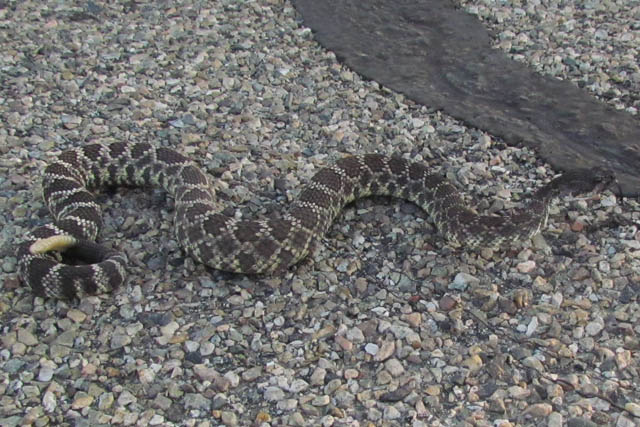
column 595, row 327
column 119, row 340
column 298, row 385
column 105, row 401
column 66, row 338
column 386, row 350
column 205, row 373
column 580, row 422
column 126, row 397
column 12, row 421
column 555, row 419
column 252, row 374
column 318, row 375
column 394, row 367
column 229, row 418
column 196, row 401
column 27, row 338
column 344, row 399
column 273, row 394
column 391, row 413
column 287, row 404
column 9, row 264
column 47, row 368
column 462, row 280
column 233, row 378
column 219, row 401
column 13, row 366
column 322, row 400
column 371, row 348
column 355, row 335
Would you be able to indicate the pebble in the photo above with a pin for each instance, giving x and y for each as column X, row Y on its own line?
column 371, row 348
column 287, row 404
column 196, row 401
column 355, row 335
column 321, row 400
column 318, row 376
column 394, row 367
column 519, row 393
column 105, row 401
column 474, row 363
column 595, row 327
column 539, row 410
column 76, row 315
column 47, row 369
column 125, row 398
column 146, row 376
column 555, row 419
column 413, row 319
column 533, row 362
column 273, row 394
column 119, row 341
column 532, row 326
column 26, row 337
column 206, row 373
column 49, row 401
column 252, row 374
column 81, row 400
column 633, row 408
column 229, row 418
column 526, row 266
column 391, row 413
column 447, row 303
column 462, row 280
column 298, row 385
column 580, row 422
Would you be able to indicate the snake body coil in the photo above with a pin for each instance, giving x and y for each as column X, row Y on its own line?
column 244, row 246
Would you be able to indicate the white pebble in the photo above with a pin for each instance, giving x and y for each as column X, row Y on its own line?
column 371, row 348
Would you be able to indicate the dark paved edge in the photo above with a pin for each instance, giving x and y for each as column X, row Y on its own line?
column 441, row 57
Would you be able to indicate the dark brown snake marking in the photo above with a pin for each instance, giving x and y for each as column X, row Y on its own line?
column 260, row 246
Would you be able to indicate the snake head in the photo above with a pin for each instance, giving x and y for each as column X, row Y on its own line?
column 583, row 180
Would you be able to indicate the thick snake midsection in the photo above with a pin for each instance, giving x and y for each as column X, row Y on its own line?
column 253, row 246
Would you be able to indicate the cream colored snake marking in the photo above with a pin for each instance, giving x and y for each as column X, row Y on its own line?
column 253, row 246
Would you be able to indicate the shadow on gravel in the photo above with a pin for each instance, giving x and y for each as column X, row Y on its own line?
column 442, row 57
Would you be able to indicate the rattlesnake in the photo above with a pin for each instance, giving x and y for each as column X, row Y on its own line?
column 251, row 246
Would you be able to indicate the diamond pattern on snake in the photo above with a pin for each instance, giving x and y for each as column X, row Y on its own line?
column 253, row 246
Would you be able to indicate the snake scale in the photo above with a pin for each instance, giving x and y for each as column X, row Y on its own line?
column 253, row 246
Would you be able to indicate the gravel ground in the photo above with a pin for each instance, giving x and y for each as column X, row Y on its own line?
column 384, row 324
column 593, row 43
